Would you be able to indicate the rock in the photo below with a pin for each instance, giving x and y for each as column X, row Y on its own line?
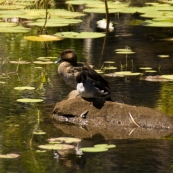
column 112, row 119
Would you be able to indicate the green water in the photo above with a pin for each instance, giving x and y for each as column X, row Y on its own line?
column 19, row 121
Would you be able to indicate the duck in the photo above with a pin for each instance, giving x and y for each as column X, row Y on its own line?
column 87, row 88
column 69, row 69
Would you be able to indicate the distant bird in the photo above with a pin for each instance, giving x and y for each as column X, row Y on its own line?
column 87, row 88
column 69, row 68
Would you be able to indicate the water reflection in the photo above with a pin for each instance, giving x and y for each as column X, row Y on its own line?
column 19, row 120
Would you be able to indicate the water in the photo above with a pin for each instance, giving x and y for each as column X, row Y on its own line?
column 19, row 121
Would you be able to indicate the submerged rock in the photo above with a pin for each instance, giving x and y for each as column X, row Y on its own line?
column 111, row 119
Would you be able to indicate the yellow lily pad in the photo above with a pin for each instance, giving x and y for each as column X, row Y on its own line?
column 24, row 88
column 28, row 100
column 43, row 38
column 9, row 156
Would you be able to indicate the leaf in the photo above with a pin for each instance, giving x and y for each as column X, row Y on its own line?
column 28, row 100
column 94, row 149
column 56, row 146
column 82, row 35
column 43, row 38
column 24, row 88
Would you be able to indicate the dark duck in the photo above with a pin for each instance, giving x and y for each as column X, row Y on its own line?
column 80, row 75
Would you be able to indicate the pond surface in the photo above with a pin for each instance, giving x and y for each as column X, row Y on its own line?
column 20, row 121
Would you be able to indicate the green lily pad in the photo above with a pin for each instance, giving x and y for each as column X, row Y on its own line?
column 157, row 24
column 105, row 146
column 82, row 35
column 9, row 156
column 14, row 29
column 7, row 24
column 81, row 2
column 65, row 139
column 43, row 38
column 28, row 100
column 99, row 71
column 94, row 149
column 56, row 147
column 24, row 88
column 59, row 13
column 100, row 10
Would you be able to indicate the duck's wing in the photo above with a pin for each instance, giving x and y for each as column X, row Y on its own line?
column 97, row 79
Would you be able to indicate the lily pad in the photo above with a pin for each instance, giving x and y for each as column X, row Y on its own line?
column 145, row 68
column 94, row 149
column 105, row 146
column 163, row 56
column 43, row 62
column 100, row 10
column 56, row 146
column 14, row 29
column 24, row 88
column 65, row 139
column 7, row 24
column 169, row 77
column 9, row 156
column 20, row 62
column 43, row 38
column 81, row 2
column 123, row 73
column 82, row 35
column 28, row 100
column 39, row 133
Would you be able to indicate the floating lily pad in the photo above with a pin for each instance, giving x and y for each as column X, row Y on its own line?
column 9, row 156
column 105, row 146
column 109, row 68
column 145, row 68
column 43, row 38
column 169, row 77
column 81, row 2
column 28, row 100
column 82, row 35
column 7, row 24
column 24, row 88
column 43, row 63
column 157, row 24
column 59, row 13
column 100, row 10
column 163, row 56
column 56, row 146
column 2, row 82
column 94, row 149
column 99, row 71
column 125, row 52
column 123, row 73
column 109, row 62
column 14, row 29
column 20, row 62
column 39, row 133
column 65, row 139
column 46, row 58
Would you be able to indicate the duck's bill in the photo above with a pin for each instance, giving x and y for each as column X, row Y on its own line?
column 58, row 60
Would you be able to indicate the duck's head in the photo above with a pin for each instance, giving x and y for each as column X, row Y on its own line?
column 68, row 55
column 81, row 77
